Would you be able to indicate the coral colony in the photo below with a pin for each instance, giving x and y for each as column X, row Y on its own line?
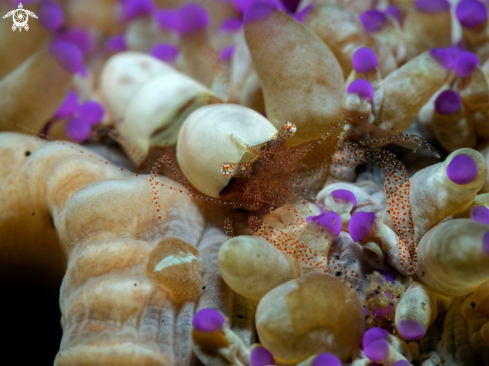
column 251, row 182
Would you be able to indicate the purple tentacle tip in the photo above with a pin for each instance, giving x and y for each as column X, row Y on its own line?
column 68, row 107
column 465, row 62
column 410, row 330
column 226, row 53
column 50, row 15
column 136, row 8
column 166, row 19
column 373, row 334
column 462, row 169
column 471, row 13
column 117, row 43
column 231, row 25
column 78, row 36
column 260, row 356
column 259, row 10
column 68, row 55
column 91, row 111
column 361, row 87
column 432, row 6
column 373, row 20
column 485, row 243
column 364, row 60
column 454, row 50
column 402, row 363
column 480, row 214
column 448, row 102
column 344, row 195
column 395, row 12
column 443, row 57
column 377, row 350
column 192, row 18
column 78, row 130
column 326, row 359
column 360, row 225
column 208, row 320
column 165, row 52
column 302, row 14
column 329, row 220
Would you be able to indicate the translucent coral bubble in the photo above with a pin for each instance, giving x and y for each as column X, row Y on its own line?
column 448, row 102
column 362, row 88
column 462, row 169
column 191, row 18
column 208, row 320
column 260, row 356
column 410, row 330
column 432, row 6
column 374, row 334
column 364, row 60
column 259, row 10
column 165, row 52
column 230, row 25
column 326, row 359
column 79, row 36
column 471, row 13
column 377, row 350
column 329, row 220
column 68, row 55
column 226, row 53
column 78, row 130
column 91, row 111
column 136, row 8
column 443, row 57
column 373, row 20
column 465, row 62
column 68, row 107
column 50, row 15
column 344, row 195
column 360, row 225
column 480, row 214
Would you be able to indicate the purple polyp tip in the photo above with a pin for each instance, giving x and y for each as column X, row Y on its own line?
column 454, row 50
column 373, row 20
column 191, row 18
column 259, row 10
column 208, row 320
column 402, row 363
column 361, row 87
column 165, row 52
column 302, row 14
column 50, row 15
column 117, row 43
column 329, row 220
column 231, row 25
column 78, row 36
column 432, row 6
column 364, row 60
column 78, row 129
column 136, row 8
column 485, row 243
column 91, row 111
column 166, row 19
column 377, row 350
column 443, row 57
column 68, row 55
column 226, row 53
column 465, row 62
column 326, row 359
column 360, row 225
column 260, row 356
column 462, row 169
column 242, row 5
column 68, row 107
column 448, row 102
column 480, row 214
column 395, row 12
column 471, row 13
column 344, row 195
column 373, row 334
column 410, row 330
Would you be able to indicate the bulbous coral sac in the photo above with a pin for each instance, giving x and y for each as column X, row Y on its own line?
column 301, row 78
column 312, row 314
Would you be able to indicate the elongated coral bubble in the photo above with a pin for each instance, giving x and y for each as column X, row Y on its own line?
column 259, row 10
column 135, row 8
column 465, row 62
column 329, row 220
column 402, row 363
column 344, row 195
column 364, row 60
column 443, row 57
column 231, row 25
column 377, row 350
column 326, row 359
column 208, row 320
column 411, row 330
column 462, row 169
column 432, row 6
column 302, row 14
column 191, row 18
column 117, row 43
column 165, row 52
column 68, row 107
column 448, row 102
column 226, row 53
column 260, row 356
column 373, row 334
column 373, row 20
column 79, row 36
column 361, row 87
column 68, row 55
column 485, row 243
column 395, row 12
column 91, row 111
column 360, row 225
column 471, row 13
column 78, row 130
column 480, row 214
column 50, row 15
